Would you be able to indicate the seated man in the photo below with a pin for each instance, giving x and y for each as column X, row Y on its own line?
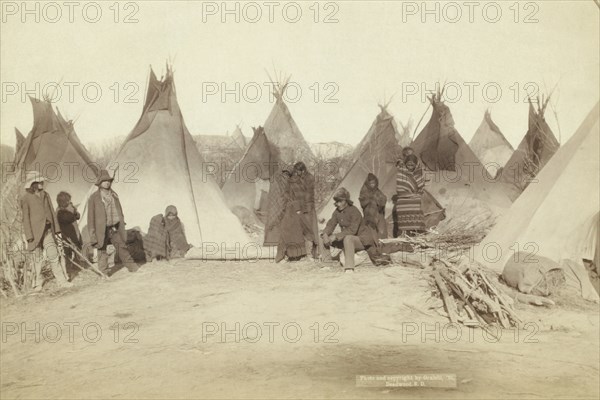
column 354, row 235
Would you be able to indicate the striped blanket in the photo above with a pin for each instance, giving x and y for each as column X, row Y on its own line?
column 409, row 189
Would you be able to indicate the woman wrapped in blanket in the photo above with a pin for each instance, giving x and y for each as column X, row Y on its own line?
column 410, row 183
column 177, row 242
column 284, row 216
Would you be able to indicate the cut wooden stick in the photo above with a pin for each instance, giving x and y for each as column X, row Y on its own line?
column 448, row 300
column 76, row 251
column 9, row 276
column 475, row 294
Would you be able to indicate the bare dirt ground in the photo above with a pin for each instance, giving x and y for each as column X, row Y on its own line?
column 304, row 332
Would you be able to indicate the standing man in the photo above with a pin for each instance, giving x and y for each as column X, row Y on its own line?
column 106, row 224
column 40, row 225
column 308, row 216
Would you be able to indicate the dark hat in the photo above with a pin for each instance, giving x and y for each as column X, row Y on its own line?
column 342, row 194
column 411, row 157
column 300, row 166
column 104, row 176
column 407, row 151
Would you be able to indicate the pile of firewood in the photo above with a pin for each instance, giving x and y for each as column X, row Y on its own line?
column 471, row 298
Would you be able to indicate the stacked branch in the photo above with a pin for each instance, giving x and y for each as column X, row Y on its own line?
column 471, row 298
column 455, row 239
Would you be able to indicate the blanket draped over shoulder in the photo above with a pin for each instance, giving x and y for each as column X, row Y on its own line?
column 178, row 244
column 409, row 191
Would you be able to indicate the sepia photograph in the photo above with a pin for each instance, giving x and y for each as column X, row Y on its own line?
column 300, row 199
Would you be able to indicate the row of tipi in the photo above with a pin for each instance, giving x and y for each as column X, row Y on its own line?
column 158, row 164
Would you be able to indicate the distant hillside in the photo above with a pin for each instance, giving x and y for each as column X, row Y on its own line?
column 222, row 150
column 329, row 150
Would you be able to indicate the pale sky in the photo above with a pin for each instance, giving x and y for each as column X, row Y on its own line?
column 373, row 51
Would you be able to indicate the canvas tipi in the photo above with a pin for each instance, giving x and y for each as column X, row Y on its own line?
column 53, row 149
column 490, row 145
column 282, row 131
column 377, row 154
column 457, row 179
column 404, row 136
column 279, row 143
column 247, row 185
column 238, row 138
column 159, row 165
column 20, row 141
column 557, row 217
column 534, row 151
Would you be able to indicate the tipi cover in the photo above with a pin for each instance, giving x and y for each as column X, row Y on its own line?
column 248, row 178
column 20, row 141
column 404, row 136
column 553, row 218
column 53, row 149
column 159, row 165
column 534, row 151
column 282, row 131
column 377, row 154
column 238, row 138
column 490, row 145
column 457, row 179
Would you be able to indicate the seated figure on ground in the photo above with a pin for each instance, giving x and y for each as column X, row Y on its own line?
column 177, row 242
column 156, row 241
column 354, row 235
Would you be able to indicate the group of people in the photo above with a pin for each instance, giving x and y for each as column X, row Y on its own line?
column 52, row 234
column 55, row 237
column 357, row 231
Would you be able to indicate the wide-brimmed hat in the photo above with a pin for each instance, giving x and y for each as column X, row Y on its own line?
column 342, row 194
column 104, row 176
column 32, row 177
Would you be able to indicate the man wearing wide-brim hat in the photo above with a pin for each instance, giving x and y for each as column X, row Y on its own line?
column 106, row 225
column 40, row 225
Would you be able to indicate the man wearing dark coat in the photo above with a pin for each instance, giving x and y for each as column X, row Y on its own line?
column 106, row 224
column 40, row 225
column 354, row 235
